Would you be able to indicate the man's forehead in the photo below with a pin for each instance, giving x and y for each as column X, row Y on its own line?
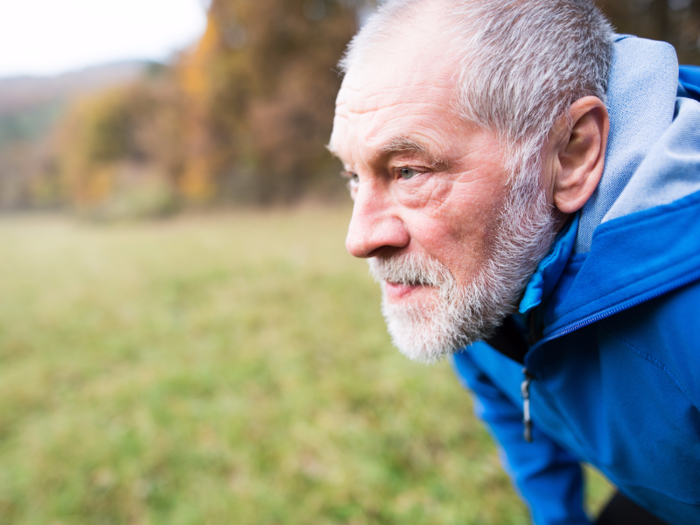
column 390, row 87
column 411, row 63
column 379, row 98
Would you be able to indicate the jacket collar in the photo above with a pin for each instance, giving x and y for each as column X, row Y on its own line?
column 542, row 283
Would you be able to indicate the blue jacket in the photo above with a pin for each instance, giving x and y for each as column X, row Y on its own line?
column 615, row 373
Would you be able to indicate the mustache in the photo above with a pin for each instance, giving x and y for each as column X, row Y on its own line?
column 411, row 269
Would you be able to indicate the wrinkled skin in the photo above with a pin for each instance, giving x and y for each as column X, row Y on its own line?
column 423, row 180
column 426, row 182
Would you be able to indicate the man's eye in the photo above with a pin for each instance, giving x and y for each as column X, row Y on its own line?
column 353, row 178
column 408, row 173
column 353, row 182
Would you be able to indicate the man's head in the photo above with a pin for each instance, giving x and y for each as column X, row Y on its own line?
column 470, row 131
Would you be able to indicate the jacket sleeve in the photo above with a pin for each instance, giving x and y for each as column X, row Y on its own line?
column 548, row 477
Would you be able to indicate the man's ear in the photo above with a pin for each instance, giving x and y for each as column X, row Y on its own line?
column 580, row 153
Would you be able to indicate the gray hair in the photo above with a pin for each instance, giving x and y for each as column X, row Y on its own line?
column 520, row 63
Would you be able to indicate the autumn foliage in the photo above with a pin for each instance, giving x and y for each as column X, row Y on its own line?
column 241, row 118
column 260, row 88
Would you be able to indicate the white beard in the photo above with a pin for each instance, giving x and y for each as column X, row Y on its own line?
column 461, row 315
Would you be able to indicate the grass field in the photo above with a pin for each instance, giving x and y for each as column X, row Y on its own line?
column 223, row 370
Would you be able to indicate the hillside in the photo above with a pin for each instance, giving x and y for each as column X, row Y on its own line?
column 29, row 105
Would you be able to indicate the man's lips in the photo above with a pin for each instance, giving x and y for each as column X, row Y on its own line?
column 397, row 291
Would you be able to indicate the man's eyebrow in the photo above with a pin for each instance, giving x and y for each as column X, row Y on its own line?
column 405, row 144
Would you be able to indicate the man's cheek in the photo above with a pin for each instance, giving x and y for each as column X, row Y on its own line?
column 456, row 208
column 428, row 195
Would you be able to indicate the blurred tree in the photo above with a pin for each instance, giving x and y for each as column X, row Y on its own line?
column 262, row 87
column 118, row 140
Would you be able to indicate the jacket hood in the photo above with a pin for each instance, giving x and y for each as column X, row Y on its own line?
column 638, row 236
column 642, row 102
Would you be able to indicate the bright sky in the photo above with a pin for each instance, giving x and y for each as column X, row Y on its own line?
column 45, row 37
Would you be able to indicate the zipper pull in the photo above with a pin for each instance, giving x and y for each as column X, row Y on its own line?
column 525, row 391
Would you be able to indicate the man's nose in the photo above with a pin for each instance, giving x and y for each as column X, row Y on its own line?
column 374, row 226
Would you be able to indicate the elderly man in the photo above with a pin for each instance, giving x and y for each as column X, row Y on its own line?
column 526, row 189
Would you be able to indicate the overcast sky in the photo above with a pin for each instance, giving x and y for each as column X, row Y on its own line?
column 46, row 37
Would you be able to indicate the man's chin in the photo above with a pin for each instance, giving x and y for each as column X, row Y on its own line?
column 430, row 322
column 418, row 331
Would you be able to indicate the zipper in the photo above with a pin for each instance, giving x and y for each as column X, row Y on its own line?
column 528, row 377
column 619, row 308
column 525, row 391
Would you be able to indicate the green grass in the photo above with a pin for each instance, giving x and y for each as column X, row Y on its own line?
column 223, row 370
